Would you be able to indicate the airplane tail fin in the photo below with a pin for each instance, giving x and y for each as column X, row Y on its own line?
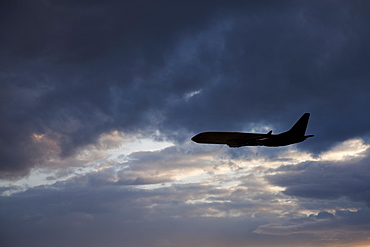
column 299, row 128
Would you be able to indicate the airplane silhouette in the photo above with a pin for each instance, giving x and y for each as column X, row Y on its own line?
column 238, row 139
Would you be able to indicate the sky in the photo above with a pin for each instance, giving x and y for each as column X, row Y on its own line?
column 99, row 101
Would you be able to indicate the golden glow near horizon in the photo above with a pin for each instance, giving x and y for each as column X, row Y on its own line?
column 207, row 168
column 346, row 150
column 224, row 186
column 109, row 147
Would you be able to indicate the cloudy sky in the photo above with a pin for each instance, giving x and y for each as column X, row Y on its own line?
column 99, row 100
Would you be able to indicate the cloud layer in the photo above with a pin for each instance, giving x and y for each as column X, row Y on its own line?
column 182, row 196
column 99, row 100
column 72, row 71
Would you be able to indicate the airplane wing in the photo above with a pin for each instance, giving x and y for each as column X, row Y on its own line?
column 249, row 140
column 235, row 144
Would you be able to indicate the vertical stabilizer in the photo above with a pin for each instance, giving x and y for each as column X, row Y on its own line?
column 299, row 129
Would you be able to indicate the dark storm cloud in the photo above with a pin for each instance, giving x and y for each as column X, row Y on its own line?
column 75, row 70
column 72, row 71
column 276, row 65
column 326, row 180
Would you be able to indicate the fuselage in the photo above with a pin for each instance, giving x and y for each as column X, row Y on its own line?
column 238, row 139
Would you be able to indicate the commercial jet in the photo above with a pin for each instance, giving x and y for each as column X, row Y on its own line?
column 238, row 139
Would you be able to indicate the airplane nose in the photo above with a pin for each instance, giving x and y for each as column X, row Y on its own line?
column 195, row 138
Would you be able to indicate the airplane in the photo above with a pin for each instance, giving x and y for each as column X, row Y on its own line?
column 238, row 139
